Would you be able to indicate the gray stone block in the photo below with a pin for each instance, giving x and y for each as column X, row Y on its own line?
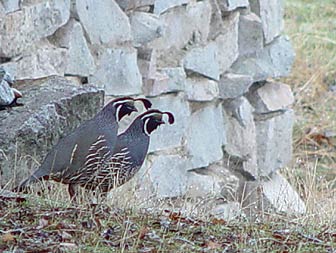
column 170, row 137
column 127, row 5
column 271, row 14
column 52, row 108
column 251, row 37
column 147, row 62
column 230, row 5
column 271, row 96
column 79, row 59
column 274, row 142
column 217, row 56
column 240, row 133
column 117, row 72
column 44, row 59
column 205, row 136
column 275, row 60
column 21, row 29
column 103, row 21
column 146, row 27
column 233, row 85
column 201, row 89
column 161, row 6
column 11, row 5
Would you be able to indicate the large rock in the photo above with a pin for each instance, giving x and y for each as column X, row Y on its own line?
column 233, row 85
column 240, row 133
column 274, row 142
column 146, row 27
column 79, row 59
column 201, row 89
column 117, row 72
column 170, row 137
column 43, row 60
column 271, row 14
column 161, row 6
column 11, row 5
column 104, row 21
column 275, row 60
column 218, row 55
column 271, row 96
column 251, row 37
column 19, row 30
column 51, row 109
column 205, row 136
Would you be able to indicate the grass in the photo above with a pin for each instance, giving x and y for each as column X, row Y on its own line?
column 50, row 223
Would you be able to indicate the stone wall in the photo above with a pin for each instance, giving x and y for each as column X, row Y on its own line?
column 209, row 62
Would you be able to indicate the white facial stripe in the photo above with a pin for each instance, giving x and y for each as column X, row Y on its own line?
column 122, row 101
column 118, row 111
column 149, row 115
column 145, row 126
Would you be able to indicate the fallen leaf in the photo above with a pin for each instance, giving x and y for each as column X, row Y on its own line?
column 7, row 237
column 216, row 221
column 142, row 233
column 213, row 245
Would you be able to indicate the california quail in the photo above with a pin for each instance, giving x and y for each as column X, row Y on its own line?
column 127, row 157
column 8, row 95
column 72, row 153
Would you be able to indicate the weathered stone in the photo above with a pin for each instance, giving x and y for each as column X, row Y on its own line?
column 201, row 89
column 146, row 27
column 230, row 5
column 19, row 30
column 103, row 21
column 184, row 26
column 205, row 136
column 250, row 37
column 161, row 6
column 170, row 181
column 117, row 72
column 134, row 4
column 273, row 194
column 274, row 142
column 79, row 61
column 217, row 56
column 275, row 60
column 214, row 181
column 147, row 62
column 271, row 96
column 271, row 14
column 6, row 93
column 170, row 137
column 240, row 133
column 52, row 108
column 42, row 61
column 167, row 80
column 11, row 5
column 233, row 85
column 216, row 22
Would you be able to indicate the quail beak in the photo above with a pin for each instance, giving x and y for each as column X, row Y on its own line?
column 133, row 109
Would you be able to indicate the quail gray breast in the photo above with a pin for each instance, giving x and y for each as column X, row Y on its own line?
column 105, row 171
column 74, row 156
column 8, row 94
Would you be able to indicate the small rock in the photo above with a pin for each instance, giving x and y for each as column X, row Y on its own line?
column 233, row 85
column 230, row 5
column 147, row 62
column 161, row 6
column 201, row 89
column 11, row 5
column 127, row 5
column 227, row 211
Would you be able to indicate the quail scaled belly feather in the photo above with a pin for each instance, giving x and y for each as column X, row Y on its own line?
column 127, row 158
column 71, row 154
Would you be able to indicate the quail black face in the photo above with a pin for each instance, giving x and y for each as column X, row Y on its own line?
column 125, row 108
column 153, row 119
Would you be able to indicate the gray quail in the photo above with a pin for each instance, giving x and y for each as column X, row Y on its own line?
column 68, row 158
column 126, row 159
column 8, row 95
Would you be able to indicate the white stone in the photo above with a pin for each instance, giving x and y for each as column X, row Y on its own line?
column 274, row 142
column 233, row 85
column 147, row 62
column 80, row 61
column 217, row 56
column 168, row 175
column 271, row 14
column 6, row 93
column 117, row 72
column 272, row 96
column 167, row 80
column 11, row 5
column 21, row 29
column 281, row 196
column 146, row 27
column 134, row 4
column 161, row 6
column 201, row 89
column 230, row 5
column 103, row 21
column 171, row 137
column 251, row 37
column 42, row 61
column 275, row 60
column 205, row 136
column 240, row 132
column 227, row 211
